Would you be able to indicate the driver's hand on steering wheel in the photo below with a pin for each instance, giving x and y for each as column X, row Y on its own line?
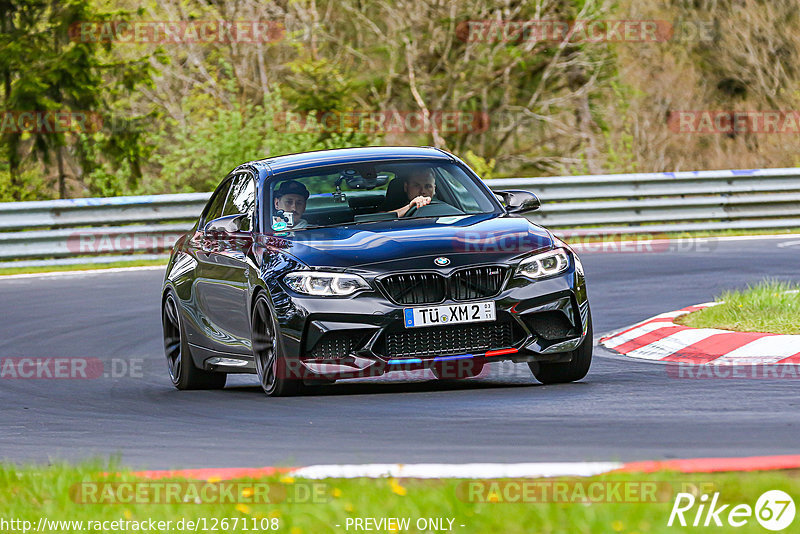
column 412, row 206
column 418, row 202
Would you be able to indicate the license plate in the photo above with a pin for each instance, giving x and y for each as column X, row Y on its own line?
column 476, row 312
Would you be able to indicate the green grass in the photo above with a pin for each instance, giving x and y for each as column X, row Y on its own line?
column 81, row 267
column 28, row 493
column 770, row 306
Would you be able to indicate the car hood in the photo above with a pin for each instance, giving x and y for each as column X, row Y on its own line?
column 409, row 243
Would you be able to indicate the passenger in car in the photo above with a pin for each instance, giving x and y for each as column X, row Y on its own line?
column 291, row 197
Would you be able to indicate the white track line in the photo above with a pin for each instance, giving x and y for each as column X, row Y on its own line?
column 52, row 274
column 487, row 470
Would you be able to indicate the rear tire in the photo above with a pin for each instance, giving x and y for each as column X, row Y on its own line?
column 182, row 371
column 577, row 368
column 273, row 373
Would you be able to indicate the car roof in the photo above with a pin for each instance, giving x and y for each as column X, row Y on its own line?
column 303, row 160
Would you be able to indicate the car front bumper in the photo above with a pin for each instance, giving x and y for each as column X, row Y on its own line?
column 365, row 335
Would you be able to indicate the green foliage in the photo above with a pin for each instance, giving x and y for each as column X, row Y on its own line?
column 317, row 85
column 30, row 186
column 484, row 169
column 203, row 151
column 178, row 116
column 45, row 69
column 620, row 155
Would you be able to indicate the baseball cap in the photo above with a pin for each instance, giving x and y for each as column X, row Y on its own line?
column 291, row 187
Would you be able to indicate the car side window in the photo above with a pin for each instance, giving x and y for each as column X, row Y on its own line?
column 241, row 199
column 215, row 205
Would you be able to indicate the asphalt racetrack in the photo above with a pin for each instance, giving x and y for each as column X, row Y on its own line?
column 624, row 410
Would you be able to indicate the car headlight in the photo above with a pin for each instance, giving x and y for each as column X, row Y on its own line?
column 544, row 264
column 321, row 284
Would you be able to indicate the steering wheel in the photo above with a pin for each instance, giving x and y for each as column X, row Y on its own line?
column 413, row 209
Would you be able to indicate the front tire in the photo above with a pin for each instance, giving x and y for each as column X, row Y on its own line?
column 271, row 368
column 182, row 371
column 575, row 369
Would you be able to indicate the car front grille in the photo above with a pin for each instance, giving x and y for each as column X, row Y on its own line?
column 448, row 340
column 415, row 288
column 475, row 283
column 430, row 288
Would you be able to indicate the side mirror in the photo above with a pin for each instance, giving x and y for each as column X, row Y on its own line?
column 519, row 201
column 230, row 224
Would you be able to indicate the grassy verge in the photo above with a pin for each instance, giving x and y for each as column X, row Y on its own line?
column 770, row 306
column 297, row 506
column 80, row 267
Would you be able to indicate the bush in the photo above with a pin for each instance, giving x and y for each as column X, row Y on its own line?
column 198, row 155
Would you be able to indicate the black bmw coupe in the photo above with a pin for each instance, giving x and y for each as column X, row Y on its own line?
column 308, row 268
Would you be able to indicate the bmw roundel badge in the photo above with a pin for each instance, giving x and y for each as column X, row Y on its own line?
column 441, row 261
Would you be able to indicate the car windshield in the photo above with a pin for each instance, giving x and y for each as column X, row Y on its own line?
column 355, row 193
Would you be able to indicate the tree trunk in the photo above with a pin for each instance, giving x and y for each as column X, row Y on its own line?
column 12, row 141
column 62, row 186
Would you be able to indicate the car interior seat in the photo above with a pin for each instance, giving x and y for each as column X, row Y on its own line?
column 395, row 195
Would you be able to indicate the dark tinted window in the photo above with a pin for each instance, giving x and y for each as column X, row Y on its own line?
column 214, row 207
column 241, row 199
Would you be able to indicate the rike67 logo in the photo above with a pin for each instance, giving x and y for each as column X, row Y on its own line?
column 774, row 510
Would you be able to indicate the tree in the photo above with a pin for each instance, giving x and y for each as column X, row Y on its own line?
column 46, row 70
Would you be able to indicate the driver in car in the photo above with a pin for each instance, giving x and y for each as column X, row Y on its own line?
column 420, row 186
column 291, row 197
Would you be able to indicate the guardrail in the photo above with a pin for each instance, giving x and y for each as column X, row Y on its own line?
column 100, row 230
